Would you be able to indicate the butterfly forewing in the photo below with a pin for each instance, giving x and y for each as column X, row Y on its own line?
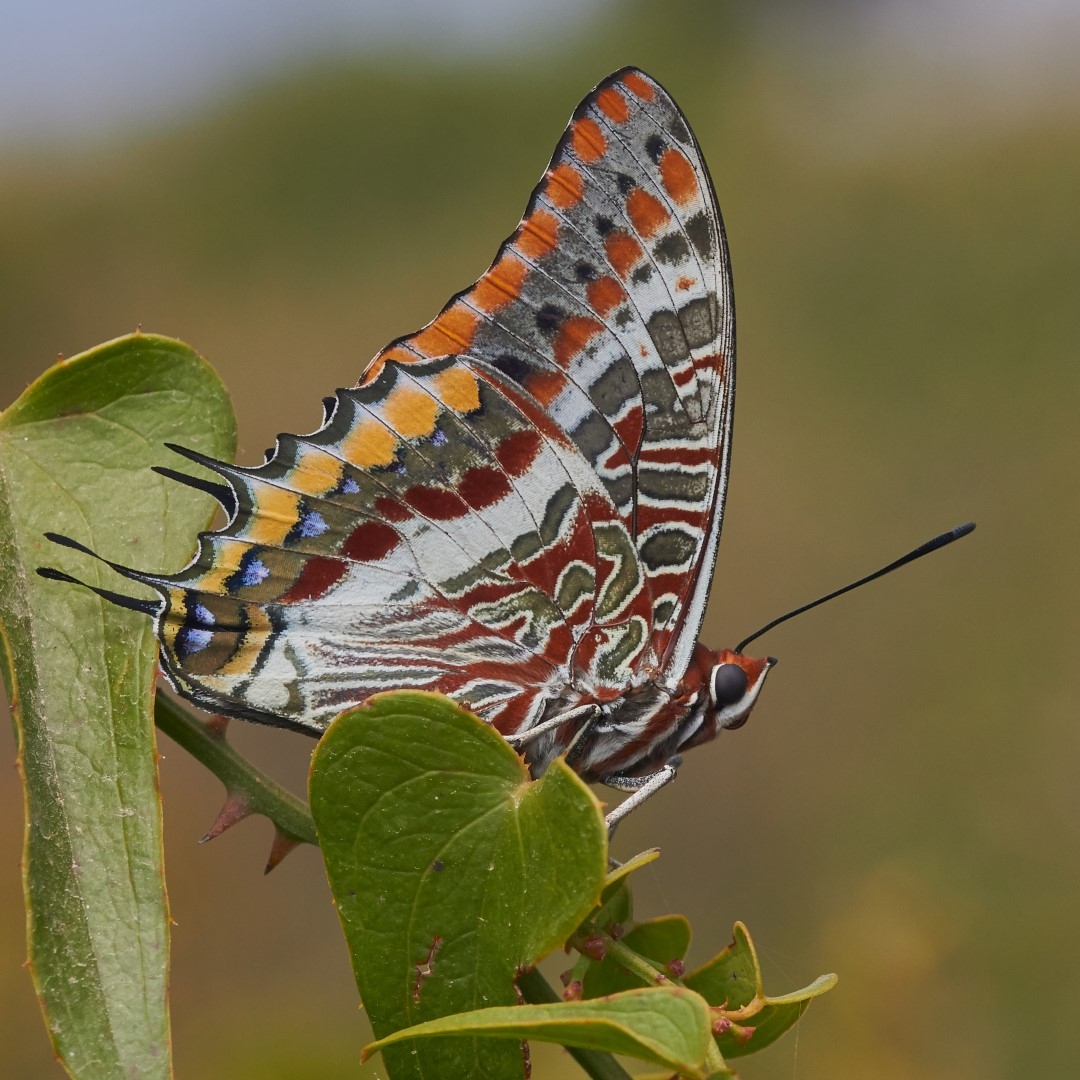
column 519, row 504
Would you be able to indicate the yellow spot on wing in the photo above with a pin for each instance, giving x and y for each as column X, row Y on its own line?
column 275, row 513
column 247, row 653
column 314, row 472
column 410, row 412
column 369, row 444
column 457, row 389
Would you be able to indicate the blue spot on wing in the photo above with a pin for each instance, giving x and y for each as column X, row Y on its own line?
column 312, row 524
column 255, row 573
column 192, row 641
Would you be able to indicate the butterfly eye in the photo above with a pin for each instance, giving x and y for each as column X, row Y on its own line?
column 729, row 685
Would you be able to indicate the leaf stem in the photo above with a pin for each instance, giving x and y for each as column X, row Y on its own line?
column 260, row 794
column 649, row 973
column 600, row 1066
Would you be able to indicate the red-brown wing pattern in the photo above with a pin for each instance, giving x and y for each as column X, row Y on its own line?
column 518, row 505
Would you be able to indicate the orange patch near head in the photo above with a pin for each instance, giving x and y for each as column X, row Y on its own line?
column 572, row 337
column 604, row 294
column 538, row 235
column 589, row 142
column 450, row 332
column 410, row 412
column 564, row 186
column 622, row 251
column 500, row 285
column 457, row 389
column 639, row 85
column 678, row 176
column 613, row 105
column 646, row 212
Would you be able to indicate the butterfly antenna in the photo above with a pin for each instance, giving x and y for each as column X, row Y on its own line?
column 923, row 549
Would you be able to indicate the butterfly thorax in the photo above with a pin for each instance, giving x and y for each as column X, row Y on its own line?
column 639, row 731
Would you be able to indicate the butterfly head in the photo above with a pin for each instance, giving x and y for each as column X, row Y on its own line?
column 734, row 684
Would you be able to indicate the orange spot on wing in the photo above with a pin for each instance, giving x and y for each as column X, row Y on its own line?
column 564, row 186
column 678, row 176
column 410, row 412
column 685, row 283
column 589, row 142
column 545, row 386
column 538, row 235
column 451, row 332
column 573, row 335
column 604, row 294
column 646, row 212
column 622, row 251
column 613, row 105
column 398, row 353
column 369, row 444
column 639, row 85
column 457, row 389
column 500, row 285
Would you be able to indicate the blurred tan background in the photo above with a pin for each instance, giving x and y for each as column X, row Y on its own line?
column 286, row 189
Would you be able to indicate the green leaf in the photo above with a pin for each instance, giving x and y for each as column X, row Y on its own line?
column 665, row 1026
column 732, row 980
column 661, row 940
column 75, row 457
column 451, row 869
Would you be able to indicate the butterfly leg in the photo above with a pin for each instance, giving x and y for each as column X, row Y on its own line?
column 643, row 787
column 580, row 712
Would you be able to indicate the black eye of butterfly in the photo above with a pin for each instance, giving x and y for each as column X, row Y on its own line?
column 729, row 684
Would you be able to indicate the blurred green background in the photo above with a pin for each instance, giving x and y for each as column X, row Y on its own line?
column 901, row 186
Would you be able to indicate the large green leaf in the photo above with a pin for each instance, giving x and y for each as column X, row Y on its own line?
column 75, row 457
column 451, row 869
column 666, row 1026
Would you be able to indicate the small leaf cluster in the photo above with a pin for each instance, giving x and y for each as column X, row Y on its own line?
column 455, row 874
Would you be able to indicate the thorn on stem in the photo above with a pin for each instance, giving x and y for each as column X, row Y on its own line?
column 235, row 809
column 281, row 847
column 218, row 725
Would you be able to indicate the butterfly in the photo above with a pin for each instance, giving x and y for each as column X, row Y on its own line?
column 517, row 506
